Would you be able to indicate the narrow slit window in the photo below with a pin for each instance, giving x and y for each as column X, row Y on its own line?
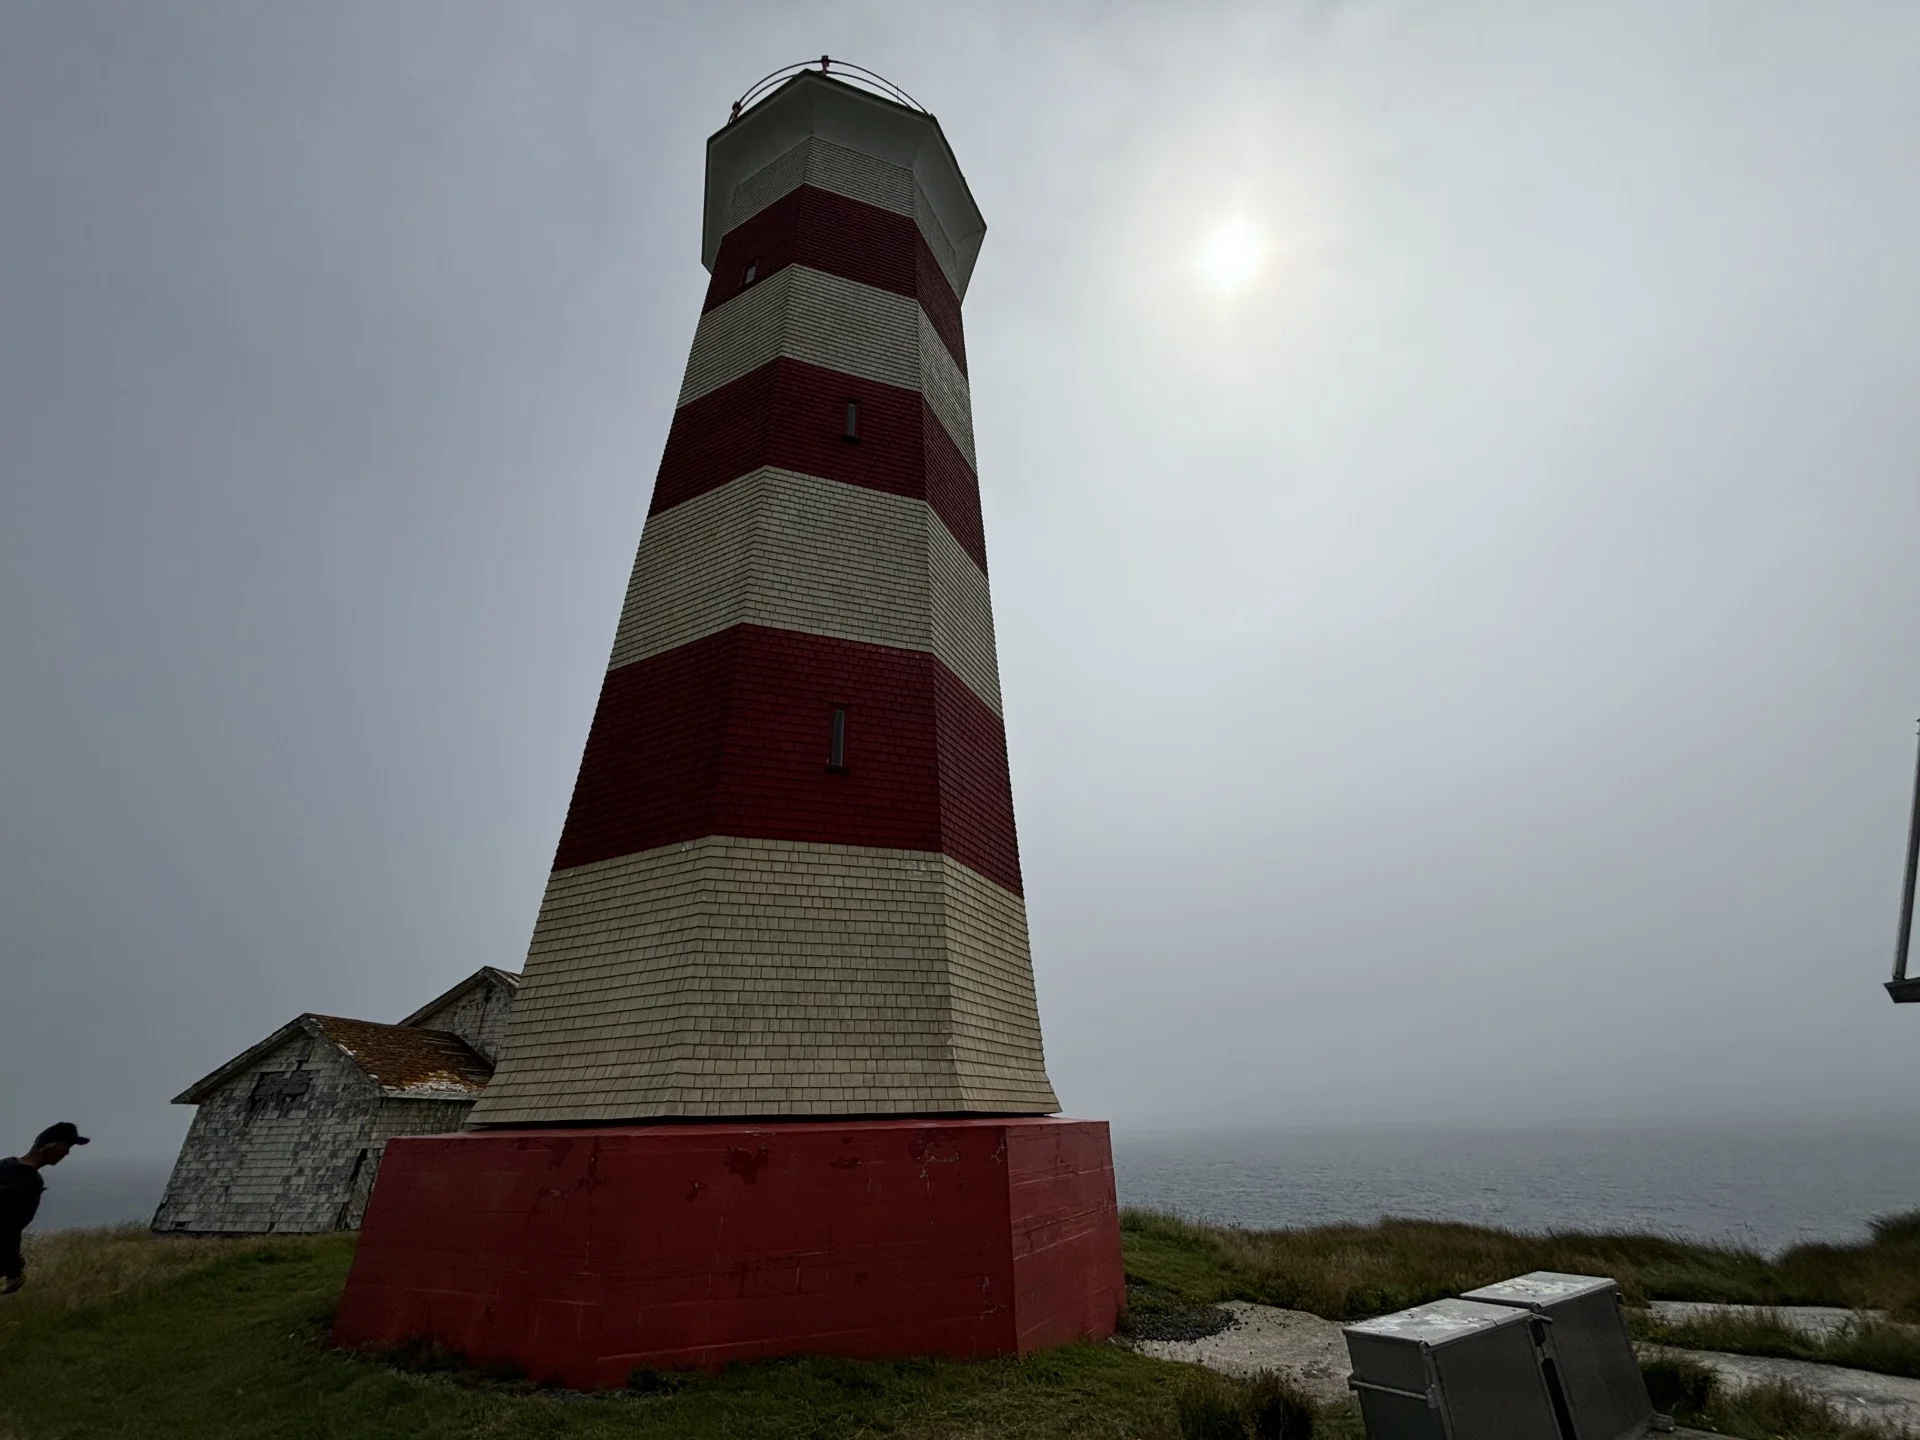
column 852, row 432
column 837, row 740
column 750, row 274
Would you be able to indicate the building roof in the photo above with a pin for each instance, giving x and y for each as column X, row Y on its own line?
column 508, row 980
column 405, row 1061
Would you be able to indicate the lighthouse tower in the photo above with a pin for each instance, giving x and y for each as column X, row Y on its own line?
column 788, row 882
column 774, row 1078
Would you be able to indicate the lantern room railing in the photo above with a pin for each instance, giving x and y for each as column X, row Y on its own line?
column 837, row 69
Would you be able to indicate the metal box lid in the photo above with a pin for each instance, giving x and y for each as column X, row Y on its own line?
column 1439, row 1323
column 1541, row 1287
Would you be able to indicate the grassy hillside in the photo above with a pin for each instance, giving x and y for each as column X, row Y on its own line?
column 120, row 1336
column 1345, row 1272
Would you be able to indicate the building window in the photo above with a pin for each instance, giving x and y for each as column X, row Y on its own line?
column 279, row 1090
column 837, row 742
column 852, row 432
column 750, row 274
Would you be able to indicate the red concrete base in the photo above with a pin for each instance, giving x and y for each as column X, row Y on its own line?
column 579, row 1255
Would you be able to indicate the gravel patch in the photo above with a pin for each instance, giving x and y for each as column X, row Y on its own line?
column 1300, row 1347
column 1153, row 1315
column 1184, row 1325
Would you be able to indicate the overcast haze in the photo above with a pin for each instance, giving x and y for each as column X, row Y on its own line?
column 1466, row 674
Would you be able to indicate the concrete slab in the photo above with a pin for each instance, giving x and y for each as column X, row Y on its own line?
column 579, row 1255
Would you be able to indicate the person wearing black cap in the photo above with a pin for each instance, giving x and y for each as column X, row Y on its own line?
column 20, row 1187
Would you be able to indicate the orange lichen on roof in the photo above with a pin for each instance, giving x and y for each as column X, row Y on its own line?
column 405, row 1060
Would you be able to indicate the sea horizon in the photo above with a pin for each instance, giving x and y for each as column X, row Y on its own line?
column 1761, row 1184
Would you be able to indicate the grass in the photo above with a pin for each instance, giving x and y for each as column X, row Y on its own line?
column 1863, row 1343
column 1211, row 1407
column 120, row 1335
column 125, row 1337
column 72, row 1269
column 1689, row 1392
column 1881, row 1274
column 1347, row 1272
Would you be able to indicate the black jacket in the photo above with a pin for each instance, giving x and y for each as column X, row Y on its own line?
column 20, row 1187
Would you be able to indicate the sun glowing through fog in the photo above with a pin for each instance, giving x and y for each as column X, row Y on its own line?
column 1231, row 254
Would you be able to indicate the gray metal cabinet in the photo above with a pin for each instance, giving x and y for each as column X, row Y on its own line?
column 1456, row 1370
column 1606, row 1395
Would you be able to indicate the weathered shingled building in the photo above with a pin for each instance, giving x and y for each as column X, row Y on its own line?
column 289, row 1133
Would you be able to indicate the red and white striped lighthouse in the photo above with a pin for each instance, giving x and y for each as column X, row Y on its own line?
column 788, row 882
column 786, row 907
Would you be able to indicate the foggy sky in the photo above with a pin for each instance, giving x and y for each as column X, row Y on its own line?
column 1468, row 675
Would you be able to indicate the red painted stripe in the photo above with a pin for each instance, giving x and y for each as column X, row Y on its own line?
column 793, row 415
column 976, row 790
column 728, row 736
column 844, row 237
column 938, row 300
column 952, row 490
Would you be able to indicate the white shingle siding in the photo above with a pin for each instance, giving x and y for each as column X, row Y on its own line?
column 811, row 316
column 840, row 325
column 860, row 177
column 795, row 552
column 945, row 388
column 760, row 977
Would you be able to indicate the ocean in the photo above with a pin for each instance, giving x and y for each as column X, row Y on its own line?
column 1764, row 1185
column 88, row 1189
